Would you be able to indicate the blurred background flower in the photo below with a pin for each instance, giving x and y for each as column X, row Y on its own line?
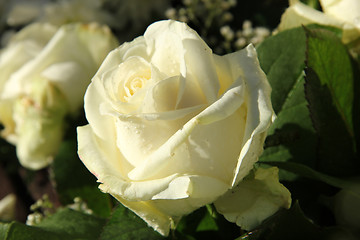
column 7, row 207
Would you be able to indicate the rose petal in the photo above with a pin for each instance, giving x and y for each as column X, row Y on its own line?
column 221, row 109
column 199, row 56
column 171, row 42
column 23, row 47
column 110, row 168
column 301, row 14
column 57, row 51
column 259, row 109
column 63, row 75
column 254, row 199
column 163, row 212
column 107, row 161
column 346, row 10
column 164, row 41
column 141, row 132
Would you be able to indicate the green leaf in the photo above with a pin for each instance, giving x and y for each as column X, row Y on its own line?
column 199, row 220
column 308, row 172
column 19, row 231
column 124, row 224
column 329, row 58
column 3, row 230
column 282, row 58
column 74, row 180
column 292, row 224
column 97, row 201
column 206, row 223
column 74, row 224
column 64, row 224
column 329, row 90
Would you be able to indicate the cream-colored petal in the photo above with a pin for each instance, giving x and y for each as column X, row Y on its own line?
column 345, row 10
column 221, row 109
column 108, row 109
column 39, row 126
column 138, row 47
column 300, row 14
column 39, row 33
column 200, row 65
column 194, row 186
column 38, row 141
column 260, row 114
column 14, row 57
column 23, row 46
column 166, row 209
column 223, row 71
column 142, row 129
column 164, row 41
column 177, row 49
column 100, row 156
column 126, row 79
column 138, row 191
column 71, row 78
column 150, row 214
column 111, row 171
column 23, row 12
column 254, row 199
column 162, row 97
column 107, row 170
column 67, row 45
column 190, row 93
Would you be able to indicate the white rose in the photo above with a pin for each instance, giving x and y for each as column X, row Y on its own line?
column 343, row 14
column 56, row 12
column 173, row 126
column 44, row 72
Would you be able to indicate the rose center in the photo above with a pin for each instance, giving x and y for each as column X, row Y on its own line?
column 133, row 85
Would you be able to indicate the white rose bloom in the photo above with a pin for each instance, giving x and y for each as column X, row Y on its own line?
column 85, row 11
column 58, row 12
column 173, row 126
column 343, row 14
column 21, row 12
column 44, row 72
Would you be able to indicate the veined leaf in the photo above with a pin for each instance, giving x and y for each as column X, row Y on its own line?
column 64, row 224
column 329, row 91
column 282, row 58
column 124, row 225
column 305, row 171
column 329, row 58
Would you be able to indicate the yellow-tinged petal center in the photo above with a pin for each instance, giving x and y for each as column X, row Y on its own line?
column 132, row 85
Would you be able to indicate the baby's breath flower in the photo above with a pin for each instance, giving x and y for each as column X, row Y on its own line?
column 34, row 218
column 227, row 33
column 80, row 205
